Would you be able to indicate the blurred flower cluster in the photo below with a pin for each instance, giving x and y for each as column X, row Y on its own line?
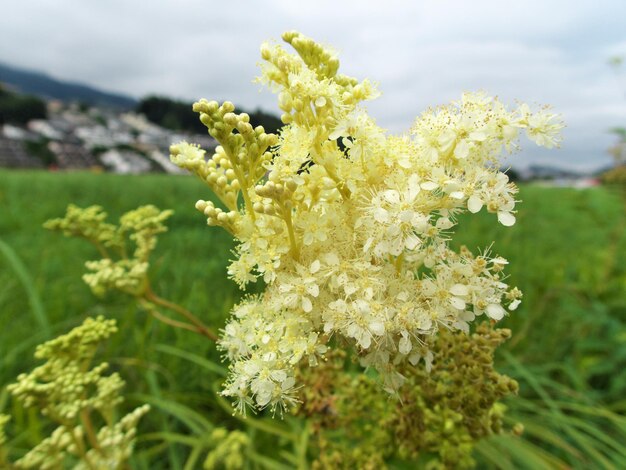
column 138, row 228
column 440, row 416
column 80, row 400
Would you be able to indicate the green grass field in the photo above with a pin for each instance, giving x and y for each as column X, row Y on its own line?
column 568, row 351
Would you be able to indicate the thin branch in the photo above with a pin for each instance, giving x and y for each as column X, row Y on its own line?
column 199, row 326
column 167, row 320
column 89, row 430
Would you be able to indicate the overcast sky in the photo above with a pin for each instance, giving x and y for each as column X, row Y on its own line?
column 421, row 52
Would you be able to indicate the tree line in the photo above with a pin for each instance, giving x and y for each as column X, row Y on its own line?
column 178, row 115
column 19, row 109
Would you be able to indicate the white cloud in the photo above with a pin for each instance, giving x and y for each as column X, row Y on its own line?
column 422, row 53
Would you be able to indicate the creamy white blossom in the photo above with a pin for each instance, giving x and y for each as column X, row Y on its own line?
column 349, row 227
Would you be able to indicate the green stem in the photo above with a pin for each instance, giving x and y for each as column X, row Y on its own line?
column 398, row 263
column 243, row 181
column 101, row 249
column 80, row 447
column 302, row 447
column 295, row 250
column 266, row 426
column 200, row 327
column 85, row 420
column 168, row 321
column 345, row 192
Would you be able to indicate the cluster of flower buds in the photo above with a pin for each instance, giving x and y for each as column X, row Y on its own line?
column 69, row 391
column 349, row 226
column 88, row 223
column 138, row 228
column 238, row 163
column 312, row 91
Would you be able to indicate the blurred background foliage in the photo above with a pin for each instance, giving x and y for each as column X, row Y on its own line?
column 568, row 350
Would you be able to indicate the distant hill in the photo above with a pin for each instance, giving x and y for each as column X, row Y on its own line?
column 552, row 172
column 40, row 84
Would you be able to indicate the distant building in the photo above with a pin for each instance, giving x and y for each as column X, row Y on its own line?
column 13, row 154
column 17, row 133
column 70, row 156
column 45, row 129
column 75, row 138
column 164, row 162
column 125, row 162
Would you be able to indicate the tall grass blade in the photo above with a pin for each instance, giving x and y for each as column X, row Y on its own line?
column 26, row 280
column 196, row 423
column 155, row 392
column 191, row 357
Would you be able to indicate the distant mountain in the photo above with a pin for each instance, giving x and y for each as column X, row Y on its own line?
column 40, row 84
column 550, row 172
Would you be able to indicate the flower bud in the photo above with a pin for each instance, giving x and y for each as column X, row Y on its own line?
column 265, row 51
column 230, row 119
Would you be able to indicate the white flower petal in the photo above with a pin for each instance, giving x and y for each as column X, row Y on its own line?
column 278, row 375
column 313, row 290
column 506, row 218
column 444, row 223
column 414, row 187
column 392, row 196
column 429, row 185
column 288, row 383
column 315, row 266
column 414, row 358
column 377, row 327
column 474, row 204
column 457, row 303
column 495, row 311
column 412, row 241
column 461, row 150
column 350, row 288
column 478, row 136
column 405, row 345
column 290, row 300
column 262, row 399
column 320, row 101
column 338, row 132
column 381, row 215
column 460, row 290
column 366, row 340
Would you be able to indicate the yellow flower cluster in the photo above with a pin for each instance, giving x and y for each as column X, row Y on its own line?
column 139, row 227
column 90, row 224
column 59, row 387
column 68, row 391
column 349, row 226
column 229, row 450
